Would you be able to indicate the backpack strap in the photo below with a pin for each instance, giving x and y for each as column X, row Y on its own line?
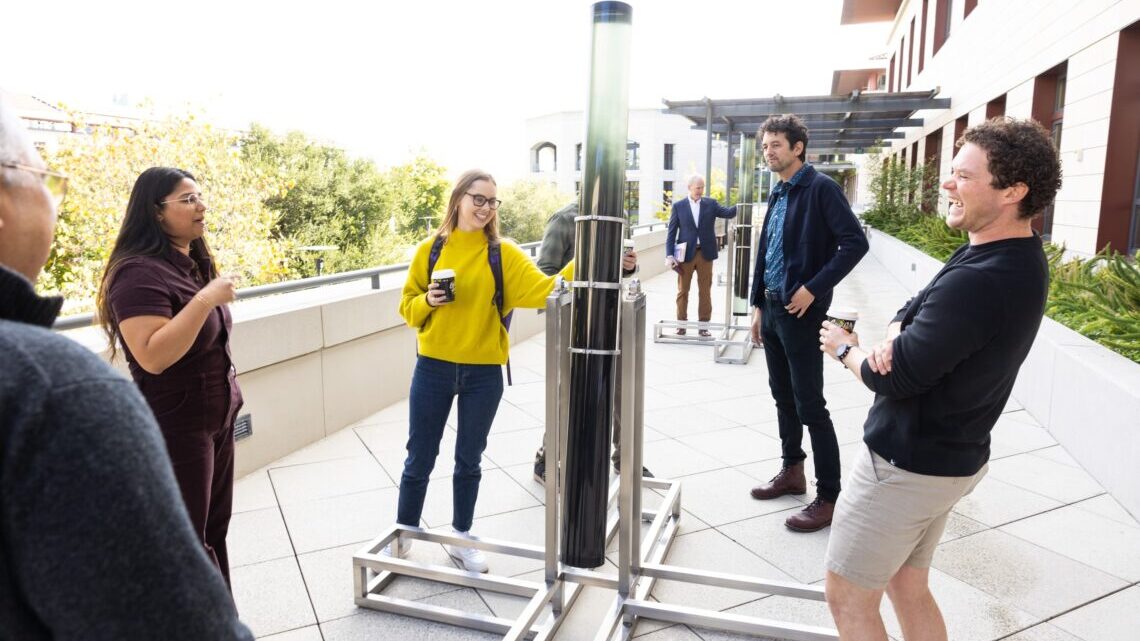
column 495, row 258
column 433, row 257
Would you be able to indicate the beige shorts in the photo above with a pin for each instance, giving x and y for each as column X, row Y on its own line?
column 887, row 517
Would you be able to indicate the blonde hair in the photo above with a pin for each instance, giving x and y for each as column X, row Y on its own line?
column 451, row 219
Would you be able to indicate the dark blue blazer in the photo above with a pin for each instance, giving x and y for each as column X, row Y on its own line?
column 682, row 230
column 823, row 241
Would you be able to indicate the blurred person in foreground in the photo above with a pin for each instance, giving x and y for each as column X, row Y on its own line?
column 163, row 299
column 94, row 541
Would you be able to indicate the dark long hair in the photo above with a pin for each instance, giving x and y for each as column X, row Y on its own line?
column 142, row 235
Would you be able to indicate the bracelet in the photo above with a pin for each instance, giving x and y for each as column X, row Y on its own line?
column 202, row 299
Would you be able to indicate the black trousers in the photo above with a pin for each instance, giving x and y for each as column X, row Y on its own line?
column 795, row 375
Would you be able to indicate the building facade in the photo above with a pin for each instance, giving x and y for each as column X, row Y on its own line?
column 1073, row 66
column 662, row 152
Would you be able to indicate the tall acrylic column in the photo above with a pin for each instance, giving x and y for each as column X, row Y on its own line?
column 742, row 234
column 596, row 301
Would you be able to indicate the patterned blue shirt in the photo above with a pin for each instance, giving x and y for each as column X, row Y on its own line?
column 774, row 273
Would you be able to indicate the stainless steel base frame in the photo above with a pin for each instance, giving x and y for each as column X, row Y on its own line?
column 640, row 554
column 731, row 342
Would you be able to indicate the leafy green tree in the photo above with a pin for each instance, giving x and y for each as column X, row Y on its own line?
column 414, row 196
column 103, row 167
column 527, row 204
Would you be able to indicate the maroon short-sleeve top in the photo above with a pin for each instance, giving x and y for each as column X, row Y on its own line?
column 162, row 286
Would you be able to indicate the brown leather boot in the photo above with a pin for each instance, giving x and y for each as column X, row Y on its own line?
column 790, row 480
column 814, row 517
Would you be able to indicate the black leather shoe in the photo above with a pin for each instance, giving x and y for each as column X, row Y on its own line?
column 540, row 466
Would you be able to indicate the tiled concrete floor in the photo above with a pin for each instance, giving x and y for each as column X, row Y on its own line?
column 1037, row 553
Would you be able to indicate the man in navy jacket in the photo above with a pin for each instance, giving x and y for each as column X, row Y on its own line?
column 692, row 223
column 809, row 242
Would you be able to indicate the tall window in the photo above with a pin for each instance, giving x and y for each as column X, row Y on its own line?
column 1049, row 110
column 667, row 190
column 891, row 81
column 959, row 129
column 632, row 200
column 922, row 36
column 910, row 54
column 943, row 12
column 578, row 157
column 632, row 160
column 1134, row 242
column 995, row 107
column 902, row 53
column 932, row 162
column 668, row 156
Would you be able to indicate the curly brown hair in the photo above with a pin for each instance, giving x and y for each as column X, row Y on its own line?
column 1019, row 151
column 791, row 126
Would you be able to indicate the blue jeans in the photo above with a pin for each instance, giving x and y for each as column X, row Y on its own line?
column 795, row 375
column 435, row 384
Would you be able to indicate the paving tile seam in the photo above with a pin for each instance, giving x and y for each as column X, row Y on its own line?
column 374, row 457
column 1070, row 610
column 1037, row 449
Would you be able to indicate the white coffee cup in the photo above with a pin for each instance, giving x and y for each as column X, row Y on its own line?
column 445, row 278
column 844, row 317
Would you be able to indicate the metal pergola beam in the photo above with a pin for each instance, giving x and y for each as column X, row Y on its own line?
column 853, row 104
column 813, row 124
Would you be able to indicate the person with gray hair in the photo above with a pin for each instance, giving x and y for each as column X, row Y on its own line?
column 692, row 224
column 94, row 541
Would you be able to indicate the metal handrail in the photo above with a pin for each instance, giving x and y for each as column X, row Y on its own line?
column 85, row 320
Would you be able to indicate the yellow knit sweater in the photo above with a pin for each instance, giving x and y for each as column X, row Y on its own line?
column 468, row 330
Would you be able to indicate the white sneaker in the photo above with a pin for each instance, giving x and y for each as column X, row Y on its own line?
column 472, row 559
column 387, row 551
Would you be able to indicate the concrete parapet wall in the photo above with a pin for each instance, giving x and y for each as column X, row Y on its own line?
column 314, row 362
column 1086, row 395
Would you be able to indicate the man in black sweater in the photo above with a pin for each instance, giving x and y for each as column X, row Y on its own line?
column 941, row 379
column 95, row 543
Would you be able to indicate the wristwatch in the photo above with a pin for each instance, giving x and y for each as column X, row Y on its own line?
column 842, row 353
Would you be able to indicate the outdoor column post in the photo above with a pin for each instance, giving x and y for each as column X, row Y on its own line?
column 708, row 144
column 738, row 279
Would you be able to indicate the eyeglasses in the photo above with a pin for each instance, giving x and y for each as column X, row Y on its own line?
column 190, row 199
column 54, row 182
column 481, row 200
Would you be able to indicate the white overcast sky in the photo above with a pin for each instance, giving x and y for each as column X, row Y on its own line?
column 384, row 79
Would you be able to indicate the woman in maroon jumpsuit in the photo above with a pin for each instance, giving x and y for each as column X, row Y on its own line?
column 162, row 297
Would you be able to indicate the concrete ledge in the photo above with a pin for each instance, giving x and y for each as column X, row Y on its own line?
column 1086, row 395
column 313, row 362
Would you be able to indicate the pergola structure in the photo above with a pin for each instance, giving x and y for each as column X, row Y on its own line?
column 852, row 123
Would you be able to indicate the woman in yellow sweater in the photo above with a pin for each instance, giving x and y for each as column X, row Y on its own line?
column 462, row 347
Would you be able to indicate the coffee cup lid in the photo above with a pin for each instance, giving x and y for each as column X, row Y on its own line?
column 843, row 312
column 628, row 242
column 443, row 273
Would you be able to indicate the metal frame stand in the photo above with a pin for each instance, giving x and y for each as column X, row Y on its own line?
column 640, row 555
column 731, row 343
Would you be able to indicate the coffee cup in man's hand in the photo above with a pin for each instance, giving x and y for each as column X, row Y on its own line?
column 445, row 279
column 843, row 317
